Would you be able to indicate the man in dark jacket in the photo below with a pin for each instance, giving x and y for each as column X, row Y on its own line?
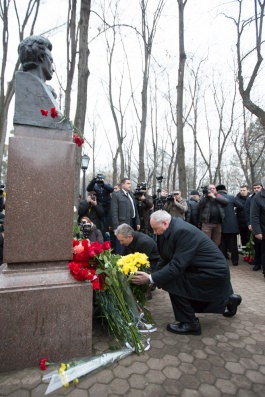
column 103, row 192
column 193, row 213
column 257, row 243
column 124, row 210
column 192, row 270
column 211, row 207
column 230, row 228
column 257, row 219
column 92, row 209
column 241, row 215
column 137, row 242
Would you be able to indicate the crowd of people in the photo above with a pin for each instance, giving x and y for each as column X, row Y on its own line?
column 224, row 218
column 188, row 241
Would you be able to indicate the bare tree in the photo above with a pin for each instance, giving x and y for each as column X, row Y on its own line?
column 246, row 80
column 249, row 146
column 7, row 89
column 148, row 34
column 180, row 155
column 194, row 92
column 71, row 46
column 83, row 74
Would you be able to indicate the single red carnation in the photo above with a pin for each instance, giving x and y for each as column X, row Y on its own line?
column 78, row 140
column 54, row 113
column 44, row 112
column 42, row 364
column 246, row 258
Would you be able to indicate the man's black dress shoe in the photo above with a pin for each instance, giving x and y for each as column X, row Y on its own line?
column 185, row 328
column 232, row 305
column 256, row 267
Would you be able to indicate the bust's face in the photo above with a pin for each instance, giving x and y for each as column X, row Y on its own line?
column 47, row 65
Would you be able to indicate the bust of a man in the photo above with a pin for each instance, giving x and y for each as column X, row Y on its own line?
column 32, row 94
column 36, row 58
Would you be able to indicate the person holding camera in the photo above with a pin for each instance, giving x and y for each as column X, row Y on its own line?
column 103, row 194
column 144, row 203
column 89, row 231
column 212, row 214
column 176, row 205
column 91, row 208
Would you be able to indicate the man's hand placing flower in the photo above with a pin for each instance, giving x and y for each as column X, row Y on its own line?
column 140, row 278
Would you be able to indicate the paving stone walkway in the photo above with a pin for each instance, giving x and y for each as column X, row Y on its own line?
column 228, row 359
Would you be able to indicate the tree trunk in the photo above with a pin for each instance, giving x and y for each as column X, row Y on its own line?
column 71, row 46
column 180, row 87
column 83, row 74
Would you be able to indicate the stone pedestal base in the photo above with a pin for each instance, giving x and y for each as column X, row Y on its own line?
column 43, row 313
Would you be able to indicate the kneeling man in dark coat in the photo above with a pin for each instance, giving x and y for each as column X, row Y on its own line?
column 192, row 270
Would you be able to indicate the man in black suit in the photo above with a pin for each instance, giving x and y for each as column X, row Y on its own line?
column 257, row 219
column 134, row 241
column 124, row 210
column 192, row 270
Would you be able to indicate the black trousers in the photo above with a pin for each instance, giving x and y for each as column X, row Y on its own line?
column 184, row 309
column 263, row 256
column 229, row 242
column 257, row 249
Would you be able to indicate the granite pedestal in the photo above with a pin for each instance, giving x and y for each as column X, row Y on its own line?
column 43, row 310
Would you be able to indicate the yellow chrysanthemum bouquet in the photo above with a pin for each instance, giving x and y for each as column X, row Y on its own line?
column 129, row 265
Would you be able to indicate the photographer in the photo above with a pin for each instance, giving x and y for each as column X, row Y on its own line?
column 89, row 231
column 144, row 203
column 103, row 193
column 92, row 209
column 161, row 196
column 175, row 205
column 212, row 212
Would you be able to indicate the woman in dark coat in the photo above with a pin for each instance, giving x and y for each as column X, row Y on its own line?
column 193, row 271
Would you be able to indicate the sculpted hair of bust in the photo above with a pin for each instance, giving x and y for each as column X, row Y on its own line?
column 35, row 56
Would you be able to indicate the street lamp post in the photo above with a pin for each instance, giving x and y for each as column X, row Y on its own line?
column 84, row 166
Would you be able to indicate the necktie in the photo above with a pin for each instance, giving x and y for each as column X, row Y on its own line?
column 132, row 205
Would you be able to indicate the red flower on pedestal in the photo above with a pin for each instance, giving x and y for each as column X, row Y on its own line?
column 44, row 112
column 78, row 140
column 246, row 258
column 54, row 113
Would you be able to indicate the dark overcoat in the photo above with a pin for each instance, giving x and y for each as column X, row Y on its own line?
column 230, row 223
column 257, row 213
column 145, row 245
column 192, row 266
column 121, row 210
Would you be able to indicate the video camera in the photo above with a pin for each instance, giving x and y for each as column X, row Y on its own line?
column 170, row 197
column 85, row 228
column 140, row 189
column 100, row 178
column 92, row 195
column 205, row 190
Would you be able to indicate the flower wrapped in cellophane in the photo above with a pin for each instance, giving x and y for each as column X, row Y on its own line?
column 72, row 371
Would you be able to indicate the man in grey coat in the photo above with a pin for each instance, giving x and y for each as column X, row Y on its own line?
column 192, row 270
